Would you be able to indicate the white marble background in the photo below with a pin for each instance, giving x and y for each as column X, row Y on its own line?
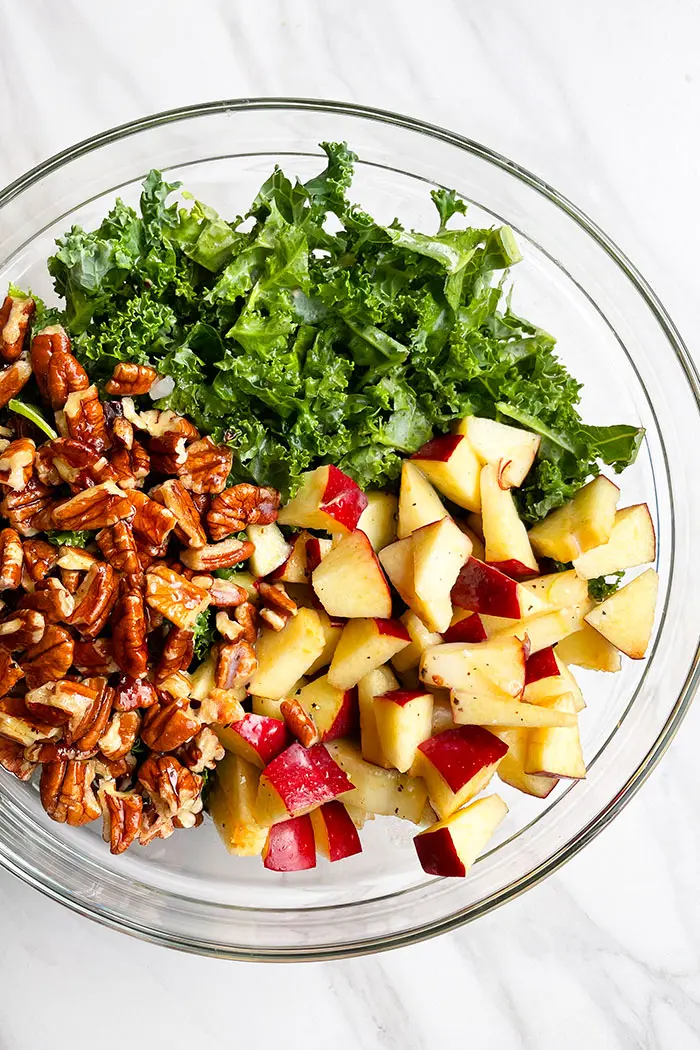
column 602, row 99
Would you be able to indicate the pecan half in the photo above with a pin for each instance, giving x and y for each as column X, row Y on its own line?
column 173, row 495
column 66, row 792
column 130, row 379
column 14, row 760
column 61, row 703
column 21, row 508
column 121, row 812
column 299, row 723
column 176, row 598
column 50, row 659
column 177, row 653
column 175, row 791
column 94, row 656
column 225, row 594
column 86, row 734
column 11, row 559
column 10, row 672
column 236, row 664
column 75, row 559
column 93, row 508
column 44, row 466
column 94, row 599
column 168, row 725
column 203, row 752
column 19, row 724
column 39, row 559
column 20, row 629
column 177, row 685
column 151, row 522
column 13, row 378
column 235, row 508
column 79, row 464
column 217, row 555
column 118, row 545
column 206, row 466
column 247, row 616
column 45, row 344
column 275, row 596
column 15, row 318
column 51, row 599
column 162, row 426
column 131, row 465
column 65, row 376
column 121, row 429
column 222, row 706
column 129, row 634
column 153, row 826
column 227, row 627
column 85, row 418
column 16, row 463
column 121, row 734
column 132, row 693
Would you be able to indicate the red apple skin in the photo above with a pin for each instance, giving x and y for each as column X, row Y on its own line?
column 290, row 845
column 394, row 628
column 439, row 448
column 347, row 719
column 313, row 554
column 458, row 754
column 401, row 697
column 267, row 736
column 343, row 499
column 470, row 629
column 541, row 665
column 437, row 854
column 482, row 589
column 306, row 777
column 513, row 568
column 343, row 838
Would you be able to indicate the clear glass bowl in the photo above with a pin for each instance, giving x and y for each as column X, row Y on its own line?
column 614, row 336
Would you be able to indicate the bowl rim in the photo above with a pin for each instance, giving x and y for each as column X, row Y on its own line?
column 692, row 374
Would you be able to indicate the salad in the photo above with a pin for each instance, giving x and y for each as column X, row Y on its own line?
column 301, row 527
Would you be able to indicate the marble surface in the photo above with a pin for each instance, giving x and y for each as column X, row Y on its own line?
column 603, row 100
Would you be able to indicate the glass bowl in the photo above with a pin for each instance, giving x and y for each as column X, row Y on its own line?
column 614, row 336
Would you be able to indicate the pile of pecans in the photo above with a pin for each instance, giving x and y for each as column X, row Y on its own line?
column 97, row 643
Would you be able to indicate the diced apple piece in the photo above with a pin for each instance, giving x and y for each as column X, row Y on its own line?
column 472, row 710
column 284, row 656
column 421, row 639
column 232, row 806
column 328, row 499
column 382, row 680
column 296, row 782
column 584, row 522
column 267, row 707
column 332, row 711
column 450, row 847
column 384, row 792
column 332, row 630
column 558, row 590
column 465, row 627
column 456, row 765
column 494, row 668
column 293, row 569
column 378, row 519
column 626, row 618
column 335, row 832
column 632, row 542
column 271, row 549
column 505, row 536
column 451, row 464
column 542, row 664
column 588, row 648
column 255, row 738
column 442, row 711
column 365, row 645
column 439, row 552
column 419, row 503
column 511, row 768
column 404, row 720
column 510, row 449
column 317, row 547
column 477, row 542
column 290, row 846
column 556, row 752
column 555, row 685
column 350, row 582
column 397, row 561
column 547, row 629
column 481, row 588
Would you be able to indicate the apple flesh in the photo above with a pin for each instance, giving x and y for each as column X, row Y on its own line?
column 556, row 752
column 632, row 542
column 511, row 450
column 378, row 519
column 335, row 832
column 481, row 588
column 472, row 710
column 404, row 720
column 419, row 503
column 296, row 782
column 349, row 581
column 477, row 541
column 270, row 549
column 558, row 590
column 316, row 549
column 450, row 847
column 586, row 521
column 364, row 645
column 255, row 738
column 547, row 629
column 555, row 685
column 450, row 463
column 587, row 648
column 439, row 552
column 332, row 711
column 328, row 500
column 495, row 668
column 290, row 846
column 384, row 792
column 232, row 806
column 505, row 536
column 456, row 765
column 626, row 618
column 511, row 768
column 382, row 680
column 332, row 630
column 267, row 707
column 442, row 711
column 284, row 656
column 421, row 639
column 465, row 627
column 293, row 569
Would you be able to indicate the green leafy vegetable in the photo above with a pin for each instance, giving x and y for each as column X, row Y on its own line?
column 33, row 415
column 603, row 586
column 204, row 629
column 69, row 539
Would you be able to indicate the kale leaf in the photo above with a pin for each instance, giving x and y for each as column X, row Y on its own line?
column 603, row 586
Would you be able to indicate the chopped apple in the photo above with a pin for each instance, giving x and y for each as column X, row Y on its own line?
column 419, row 503
column 477, row 542
column 546, row 629
column 456, row 765
column 267, row 707
column 465, row 627
column 256, row 738
column 350, row 582
column 333, row 711
column 290, row 846
column 271, row 550
column 471, row 710
column 365, row 645
column 404, row 720
column 505, row 536
column 511, row 768
column 495, row 668
column 335, row 832
column 542, row 664
column 556, row 752
column 481, row 588
column 378, row 519
column 421, row 639
column 626, row 618
column 384, row 792
column 558, row 590
column 451, row 464
column 397, row 561
column 510, row 449
column 439, row 552
column 296, row 782
column 588, row 648
column 317, row 548
column 381, row 680
column 332, row 630
column 232, row 806
column 328, row 500
column 293, row 569
column 632, row 542
column 584, row 522
column 442, row 711
column 450, row 847
column 555, row 685
column 284, row 656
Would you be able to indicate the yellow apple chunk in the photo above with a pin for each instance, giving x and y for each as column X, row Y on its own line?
column 364, row 645
column 378, row 519
column 543, row 630
column 510, row 449
column 384, row 792
column 632, row 542
column 587, row 648
column 564, row 682
column 556, row 752
column 232, row 806
column 626, row 618
column 558, row 590
column 284, row 656
column 450, row 847
column 419, row 503
column 505, row 535
column 450, row 463
column 439, row 552
column 495, row 668
column 271, row 550
column 404, row 720
column 381, row 680
column 473, row 710
column 350, row 582
column 421, row 639
column 511, row 768
column 584, row 522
